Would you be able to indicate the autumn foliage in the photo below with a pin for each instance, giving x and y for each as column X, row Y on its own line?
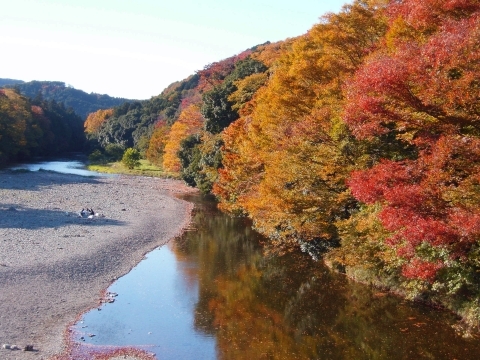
column 367, row 141
column 96, row 119
column 285, row 162
column 358, row 141
column 430, row 203
column 189, row 122
column 36, row 128
column 156, row 143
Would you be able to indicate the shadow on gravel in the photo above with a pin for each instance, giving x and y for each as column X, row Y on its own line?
column 14, row 216
column 28, row 180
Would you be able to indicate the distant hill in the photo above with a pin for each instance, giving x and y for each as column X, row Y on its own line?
column 4, row 82
column 81, row 102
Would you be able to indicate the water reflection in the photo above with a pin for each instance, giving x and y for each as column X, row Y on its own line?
column 67, row 166
column 212, row 294
column 154, row 310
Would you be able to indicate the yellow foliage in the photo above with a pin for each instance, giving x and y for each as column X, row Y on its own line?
column 285, row 162
column 363, row 241
column 189, row 122
column 19, row 131
column 399, row 32
column 269, row 53
column 156, row 144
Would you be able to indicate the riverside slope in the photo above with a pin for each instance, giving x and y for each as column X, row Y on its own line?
column 55, row 265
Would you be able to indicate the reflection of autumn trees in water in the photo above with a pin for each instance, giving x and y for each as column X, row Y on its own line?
column 219, row 243
column 288, row 307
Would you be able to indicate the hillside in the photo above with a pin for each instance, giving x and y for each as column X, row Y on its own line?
column 4, row 82
column 205, row 94
column 80, row 101
column 358, row 142
column 31, row 128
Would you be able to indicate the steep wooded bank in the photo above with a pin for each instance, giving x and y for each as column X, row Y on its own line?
column 36, row 128
column 358, row 141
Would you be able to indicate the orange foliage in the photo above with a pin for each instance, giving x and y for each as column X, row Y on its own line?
column 214, row 74
column 269, row 53
column 156, row 144
column 96, row 119
column 189, row 122
column 242, row 166
column 284, row 163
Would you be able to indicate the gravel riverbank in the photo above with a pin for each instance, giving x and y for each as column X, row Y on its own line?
column 54, row 264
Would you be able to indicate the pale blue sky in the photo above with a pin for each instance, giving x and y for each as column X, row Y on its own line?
column 135, row 48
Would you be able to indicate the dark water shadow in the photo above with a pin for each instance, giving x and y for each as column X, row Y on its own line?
column 15, row 216
column 34, row 181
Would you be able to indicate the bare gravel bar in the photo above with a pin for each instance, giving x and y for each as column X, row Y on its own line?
column 55, row 265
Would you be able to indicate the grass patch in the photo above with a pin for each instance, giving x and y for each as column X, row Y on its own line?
column 145, row 169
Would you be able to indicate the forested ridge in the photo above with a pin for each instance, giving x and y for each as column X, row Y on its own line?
column 4, row 82
column 37, row 127
column 44, row 118
column 357, row 142
column 80, row 101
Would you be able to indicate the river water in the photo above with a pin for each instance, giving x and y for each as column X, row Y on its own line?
column 61, row 165
column 213, row 294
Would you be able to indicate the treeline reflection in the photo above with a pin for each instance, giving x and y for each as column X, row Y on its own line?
column 291, row 307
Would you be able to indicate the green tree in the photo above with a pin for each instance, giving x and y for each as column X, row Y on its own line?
column 131, row 158
column 114, row 152
column 96, row 157
column 190, row 156
column 218, row 109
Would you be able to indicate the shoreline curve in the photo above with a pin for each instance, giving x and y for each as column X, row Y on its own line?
column 56, row 265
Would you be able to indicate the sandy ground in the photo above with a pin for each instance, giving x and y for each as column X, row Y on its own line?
column 54, row 264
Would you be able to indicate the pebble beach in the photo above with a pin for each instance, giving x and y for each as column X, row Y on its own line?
column 56, row 264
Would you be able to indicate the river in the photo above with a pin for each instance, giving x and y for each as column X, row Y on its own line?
column 73, row 164
column 213, row 294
